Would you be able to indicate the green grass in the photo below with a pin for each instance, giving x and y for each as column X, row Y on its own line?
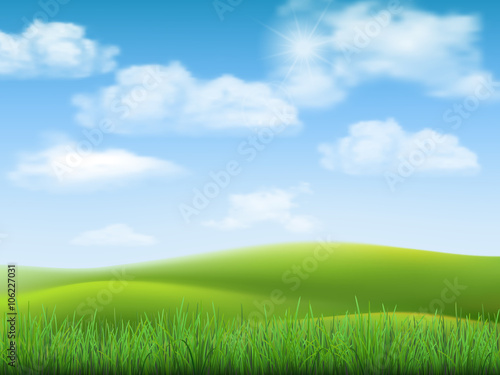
column 201, row 342
column 154, row 318
column 409, row 280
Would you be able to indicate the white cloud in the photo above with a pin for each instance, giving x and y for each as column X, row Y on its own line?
column 53, row 49
column 374, row 147
column 64, row 167
column 168, row 98
column 366, row 41
column 113, row 235
column 272, row 205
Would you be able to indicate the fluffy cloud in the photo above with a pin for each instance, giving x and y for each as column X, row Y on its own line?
column 365, row 41
column 63, row 167
column 168, row 98
column 53, row 50
column 374, row 147
column 113, row 235
column 273, row 205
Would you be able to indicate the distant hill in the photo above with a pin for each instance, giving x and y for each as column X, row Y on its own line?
column 328, row 276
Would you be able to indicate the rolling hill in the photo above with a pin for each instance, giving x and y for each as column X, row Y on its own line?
column 328, row 276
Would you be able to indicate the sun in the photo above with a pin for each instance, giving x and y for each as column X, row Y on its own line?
column 305, row 48
column 301, row 47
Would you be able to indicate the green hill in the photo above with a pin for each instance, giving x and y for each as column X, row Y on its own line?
column 327, row 276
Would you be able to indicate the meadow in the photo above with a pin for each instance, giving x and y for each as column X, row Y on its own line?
column 363, row 309
column 202, row 342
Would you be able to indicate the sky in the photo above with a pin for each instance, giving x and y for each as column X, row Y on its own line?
column 141, row 131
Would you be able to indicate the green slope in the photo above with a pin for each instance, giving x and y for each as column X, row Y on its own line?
column 330, row 278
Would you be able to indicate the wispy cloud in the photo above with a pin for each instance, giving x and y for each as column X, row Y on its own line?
column 62, row 168
column 271, row 205
column 113, row 235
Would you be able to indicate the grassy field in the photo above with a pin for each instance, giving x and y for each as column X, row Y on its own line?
column 203, row 343
column 274, row 277
column 239, row 312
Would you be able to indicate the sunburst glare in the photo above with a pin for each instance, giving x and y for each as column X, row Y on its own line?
column 301, row 47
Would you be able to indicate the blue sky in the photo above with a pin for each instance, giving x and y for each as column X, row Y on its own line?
column 371, row 122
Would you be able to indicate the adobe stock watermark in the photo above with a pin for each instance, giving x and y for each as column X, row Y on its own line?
column 34, row 369
column 293, row 279
column 364, row 36
column 221, row 7
column 48, row 9
column 462, row 111
column 105, row 296
column 248, row 150
column 382, row 361
column 424, row 148
column 449, row 294
column 123, row 107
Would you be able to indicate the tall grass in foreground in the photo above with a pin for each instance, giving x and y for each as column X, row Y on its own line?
column 203, row 343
